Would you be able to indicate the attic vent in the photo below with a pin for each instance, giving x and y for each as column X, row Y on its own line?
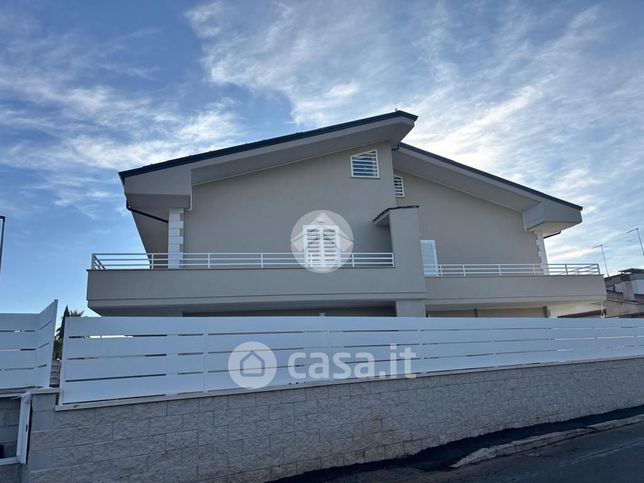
column 399, row 188
column 364, row 165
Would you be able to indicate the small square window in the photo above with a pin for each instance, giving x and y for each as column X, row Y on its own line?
column 365, row 165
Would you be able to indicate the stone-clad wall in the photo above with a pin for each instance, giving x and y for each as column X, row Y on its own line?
column 267, row 435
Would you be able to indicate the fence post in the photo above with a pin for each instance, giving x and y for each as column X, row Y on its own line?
column 261, row 260
column 204, row 335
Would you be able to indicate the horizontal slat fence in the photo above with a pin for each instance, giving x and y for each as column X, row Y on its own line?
column 26, row 345
column 122, row 357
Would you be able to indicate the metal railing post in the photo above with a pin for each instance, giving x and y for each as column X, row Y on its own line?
column 152, row 261
column 261, row 260
column 353, row 260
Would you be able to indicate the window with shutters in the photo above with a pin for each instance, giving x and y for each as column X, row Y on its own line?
column 322, row 246
column 430, row 261
column 399, row 187
column 365, row 165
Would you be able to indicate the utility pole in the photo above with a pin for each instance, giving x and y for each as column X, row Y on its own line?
column 601, row 245
column 637, row 230
column 2, row 220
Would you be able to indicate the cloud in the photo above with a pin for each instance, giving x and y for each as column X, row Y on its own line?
column 75, row 128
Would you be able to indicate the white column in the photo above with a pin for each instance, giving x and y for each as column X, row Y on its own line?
column 175, row 237
column 541, row 251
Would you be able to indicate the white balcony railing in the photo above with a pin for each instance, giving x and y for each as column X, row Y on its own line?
column 152, row 261
column 508, row 269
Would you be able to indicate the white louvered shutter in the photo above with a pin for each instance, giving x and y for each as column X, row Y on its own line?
column 430, row 261
column 322, row 246
column 365, row 165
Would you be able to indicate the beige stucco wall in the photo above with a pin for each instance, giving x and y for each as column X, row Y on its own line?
column 256, row 212
column 468, row 229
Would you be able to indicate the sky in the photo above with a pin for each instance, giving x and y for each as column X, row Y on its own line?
column 547, row 94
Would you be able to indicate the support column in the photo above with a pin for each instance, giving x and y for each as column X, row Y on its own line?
column 175, row 237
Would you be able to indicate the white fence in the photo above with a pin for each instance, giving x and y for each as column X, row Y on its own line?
column 122, row 357
column 26, row 345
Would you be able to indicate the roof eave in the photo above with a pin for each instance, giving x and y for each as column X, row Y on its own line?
column 261, row 144
column 491, row 176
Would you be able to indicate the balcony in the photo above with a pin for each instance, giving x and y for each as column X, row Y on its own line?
column 452, row 286
column 177, row 284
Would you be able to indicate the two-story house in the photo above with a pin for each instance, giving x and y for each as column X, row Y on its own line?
column 430, row 236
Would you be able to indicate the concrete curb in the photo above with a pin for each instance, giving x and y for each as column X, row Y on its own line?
column 542, row 440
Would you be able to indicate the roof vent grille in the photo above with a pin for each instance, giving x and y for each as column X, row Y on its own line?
column 365, row 165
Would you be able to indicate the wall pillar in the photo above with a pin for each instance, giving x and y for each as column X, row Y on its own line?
column 541, row 252
column 175, row 237
column 410, row 308
column 404, row 231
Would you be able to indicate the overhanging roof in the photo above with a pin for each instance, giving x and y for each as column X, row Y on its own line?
column 478, row 173
column 541, row 212
column 266, row 142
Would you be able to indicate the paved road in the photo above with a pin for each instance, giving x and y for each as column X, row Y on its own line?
column 614, row 456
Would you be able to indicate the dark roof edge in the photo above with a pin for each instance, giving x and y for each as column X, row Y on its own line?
column 491, row 176
column 260, row 144
column 387, row 210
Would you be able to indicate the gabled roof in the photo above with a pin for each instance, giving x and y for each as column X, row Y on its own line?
column 264, row 143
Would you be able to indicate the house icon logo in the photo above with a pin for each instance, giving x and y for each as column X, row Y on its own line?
column 252, row 365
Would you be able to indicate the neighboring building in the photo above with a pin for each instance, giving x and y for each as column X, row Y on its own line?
column 430, row 235
column 625, row 294
column 624, row 298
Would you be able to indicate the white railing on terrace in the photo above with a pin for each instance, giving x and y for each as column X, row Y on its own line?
column 507, row 269
column 148, row 261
